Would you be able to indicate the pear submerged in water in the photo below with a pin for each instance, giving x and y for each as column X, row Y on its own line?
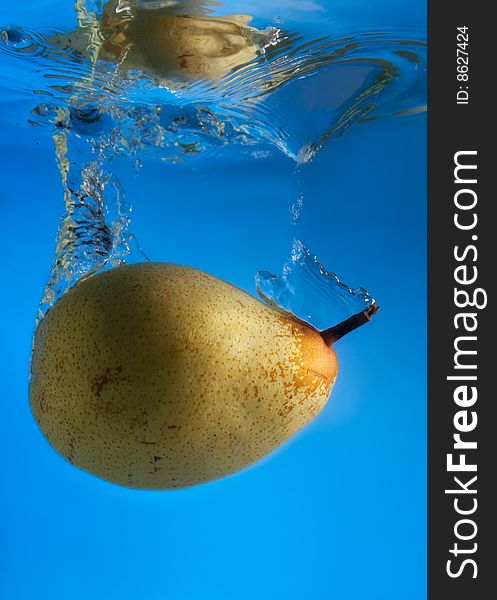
column 157, row 376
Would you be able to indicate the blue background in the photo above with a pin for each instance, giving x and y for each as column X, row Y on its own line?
column 337, row 513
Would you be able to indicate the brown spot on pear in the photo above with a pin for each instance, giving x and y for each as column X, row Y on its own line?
column 158, row 360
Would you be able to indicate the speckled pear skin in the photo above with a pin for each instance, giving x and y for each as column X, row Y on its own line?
column 158, row 376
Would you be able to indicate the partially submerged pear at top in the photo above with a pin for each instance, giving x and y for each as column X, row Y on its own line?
column 167, row 40
column 157, row 376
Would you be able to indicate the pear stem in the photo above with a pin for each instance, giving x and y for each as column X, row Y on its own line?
column 333, row 334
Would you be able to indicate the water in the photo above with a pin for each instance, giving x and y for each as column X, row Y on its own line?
column 123, row 102
column 306, row 290
column 305, row 155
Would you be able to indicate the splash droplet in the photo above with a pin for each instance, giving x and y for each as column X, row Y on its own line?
column 310, row 292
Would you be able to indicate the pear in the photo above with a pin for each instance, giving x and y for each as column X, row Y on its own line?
column 168, row 42
column 158, row 376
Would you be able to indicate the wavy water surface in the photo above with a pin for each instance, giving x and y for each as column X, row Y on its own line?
column 99, row 87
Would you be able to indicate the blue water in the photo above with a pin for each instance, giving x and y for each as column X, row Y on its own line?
column 339, row 511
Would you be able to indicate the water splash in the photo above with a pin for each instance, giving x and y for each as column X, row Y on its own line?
column 273, row 89
column 93, row 233
column 333, row 83
column 305, row 289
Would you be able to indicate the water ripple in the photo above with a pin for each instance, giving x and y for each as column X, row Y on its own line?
column 23, row 42
column 248, row 100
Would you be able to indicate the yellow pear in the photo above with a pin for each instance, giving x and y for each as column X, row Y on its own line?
column 158, row 376
column 167, row 42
